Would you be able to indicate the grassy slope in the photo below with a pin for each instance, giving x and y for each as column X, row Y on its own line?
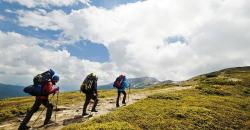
column 219, row 100
column 14, row 107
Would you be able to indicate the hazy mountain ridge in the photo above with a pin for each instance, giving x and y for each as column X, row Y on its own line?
column 135, row 83
column 7, row 90
column 11, row 91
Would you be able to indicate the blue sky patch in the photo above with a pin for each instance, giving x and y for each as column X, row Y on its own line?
column 8, row 26
column 11, row 6
column 109, row 4
column 88, row 50
column 66, row 9
column 175, row 39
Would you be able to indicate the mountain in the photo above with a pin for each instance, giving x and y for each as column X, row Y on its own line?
column 168, row 82
column 135, row 83
column 7, row 90
column 217, row 100
column 142, row 82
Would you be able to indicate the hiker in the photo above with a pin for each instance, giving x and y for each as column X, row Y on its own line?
column 89, row 87
column 121, row 83
column 47, row 88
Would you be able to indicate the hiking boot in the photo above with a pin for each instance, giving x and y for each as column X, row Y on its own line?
column 49, row 122
column 94, row 110
column 124, row 103
column 117, row 105
column 85, row 114
column 23, row 127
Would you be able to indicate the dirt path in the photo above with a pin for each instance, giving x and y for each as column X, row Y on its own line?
column 69, row 114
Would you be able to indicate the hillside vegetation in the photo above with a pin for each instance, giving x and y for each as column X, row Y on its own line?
column 15, row 107
column 218, row 100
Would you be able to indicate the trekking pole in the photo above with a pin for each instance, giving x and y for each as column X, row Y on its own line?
column 38, row 117
column 56, row 104
column 90, row 107
column 40, row 114
column 128, row 92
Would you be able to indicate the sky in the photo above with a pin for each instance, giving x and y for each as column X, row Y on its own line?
column 165, row 39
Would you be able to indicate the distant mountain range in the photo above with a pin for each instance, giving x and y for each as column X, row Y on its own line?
column 7, row 91
column 135, row 83
column 11, row 91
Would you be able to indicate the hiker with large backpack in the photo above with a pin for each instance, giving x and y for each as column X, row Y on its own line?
column 46, row 88
column 89, row 87
column 121, row 83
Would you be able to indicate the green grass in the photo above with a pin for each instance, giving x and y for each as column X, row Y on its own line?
column 183, row 110
column 216, row 102
column 221, row 81
column 113, row 125
column 160, row 86
column 15, row 107
column 169, row 96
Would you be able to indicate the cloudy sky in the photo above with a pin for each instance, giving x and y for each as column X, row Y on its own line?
column 166, row 39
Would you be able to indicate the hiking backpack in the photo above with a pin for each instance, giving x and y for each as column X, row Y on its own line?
column 86, row 86
column 118, row 82
column 35, row 90
column 38, row 82
column 43, row 78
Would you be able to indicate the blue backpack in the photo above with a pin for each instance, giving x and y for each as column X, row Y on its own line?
column 35, row 90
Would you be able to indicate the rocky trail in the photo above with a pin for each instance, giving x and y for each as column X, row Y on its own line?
column 69, row 114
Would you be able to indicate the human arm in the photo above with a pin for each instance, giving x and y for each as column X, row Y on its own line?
column 95, row 92
column 49, row 88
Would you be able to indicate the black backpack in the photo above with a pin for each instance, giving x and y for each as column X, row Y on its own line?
column 38, row 82
column 43, row 78
column 86, row 86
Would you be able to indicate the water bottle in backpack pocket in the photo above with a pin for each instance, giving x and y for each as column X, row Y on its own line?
column 34, row 90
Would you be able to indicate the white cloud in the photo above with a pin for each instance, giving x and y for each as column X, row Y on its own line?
column 22, row 58
column 217, row 35
column 46, row 3
column 9, row 11
column 2, row 18
column 54, row 20
column 134, row 35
